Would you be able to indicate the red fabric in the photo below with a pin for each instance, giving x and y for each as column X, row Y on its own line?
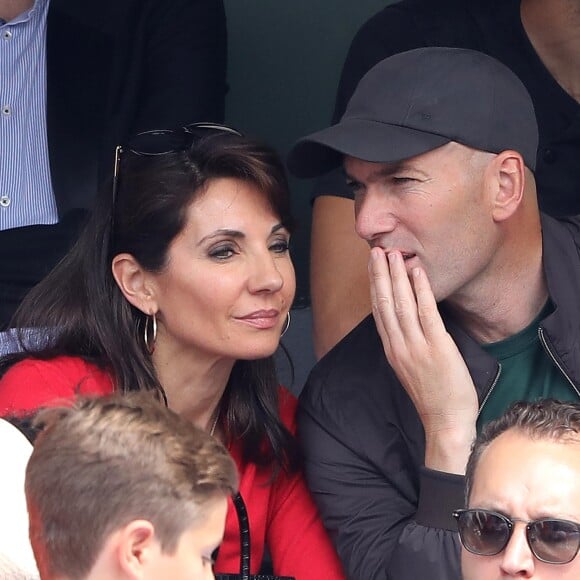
column 282, row 515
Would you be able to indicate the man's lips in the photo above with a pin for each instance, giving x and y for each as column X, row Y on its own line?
column 406, row 255
column 262, row 319
column 391, row 249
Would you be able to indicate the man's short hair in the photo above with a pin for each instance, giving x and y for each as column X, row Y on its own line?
column 102, row 463
column 543, row 419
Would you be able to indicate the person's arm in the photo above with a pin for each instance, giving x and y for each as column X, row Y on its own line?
column 383, row 527
column 338, row 272
column 378, row 487
column 425, row 359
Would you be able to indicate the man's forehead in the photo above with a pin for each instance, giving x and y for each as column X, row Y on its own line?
column 352, row 165
column 424, row 162
column 561, row 448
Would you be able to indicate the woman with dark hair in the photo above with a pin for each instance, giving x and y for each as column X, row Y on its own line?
column 182, row 284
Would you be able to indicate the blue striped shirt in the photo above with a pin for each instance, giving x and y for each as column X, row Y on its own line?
column 26, row 195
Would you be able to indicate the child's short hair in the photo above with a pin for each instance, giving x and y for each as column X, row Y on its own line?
column 102, row 463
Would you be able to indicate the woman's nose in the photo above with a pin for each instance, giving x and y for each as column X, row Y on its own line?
column 265, row 275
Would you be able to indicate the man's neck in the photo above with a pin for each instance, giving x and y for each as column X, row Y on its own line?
column 553, row 27
column 508, row 299
column 10, row 9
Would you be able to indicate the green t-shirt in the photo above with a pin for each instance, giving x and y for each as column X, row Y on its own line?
column 528, row 373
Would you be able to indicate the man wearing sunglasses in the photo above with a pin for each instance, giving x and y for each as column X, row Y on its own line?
column 475, row 304
column 523, row 493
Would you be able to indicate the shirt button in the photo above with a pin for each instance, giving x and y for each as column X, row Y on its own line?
column 7, row 34
column 5, row 201
column 6, row 110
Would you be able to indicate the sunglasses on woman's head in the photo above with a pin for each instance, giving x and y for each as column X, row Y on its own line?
column 164, row 141
column 487, row 533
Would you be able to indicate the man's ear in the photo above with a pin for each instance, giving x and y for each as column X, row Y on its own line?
column 134, row 282
column 137, row 548
column 507, row 182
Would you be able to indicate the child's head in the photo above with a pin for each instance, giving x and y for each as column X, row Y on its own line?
column 123, row 487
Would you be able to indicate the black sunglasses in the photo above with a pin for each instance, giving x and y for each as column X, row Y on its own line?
column 487, row 533
column 162, row 142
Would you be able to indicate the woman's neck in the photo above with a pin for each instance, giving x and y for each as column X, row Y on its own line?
column 193, row 383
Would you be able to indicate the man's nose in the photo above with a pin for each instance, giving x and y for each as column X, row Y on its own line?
column 518, row 560
column 374, row 215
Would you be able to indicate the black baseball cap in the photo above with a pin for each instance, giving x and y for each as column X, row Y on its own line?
column 418, row 100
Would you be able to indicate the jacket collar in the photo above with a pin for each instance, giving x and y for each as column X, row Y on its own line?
column 561, row 262
column 561, row 328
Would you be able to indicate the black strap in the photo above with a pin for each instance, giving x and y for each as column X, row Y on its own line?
column 245, row 547
column 244, row 536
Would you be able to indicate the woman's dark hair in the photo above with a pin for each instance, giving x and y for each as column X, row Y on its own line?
column 81, row 299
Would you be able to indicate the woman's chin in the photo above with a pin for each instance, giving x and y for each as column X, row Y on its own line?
column 259, row 349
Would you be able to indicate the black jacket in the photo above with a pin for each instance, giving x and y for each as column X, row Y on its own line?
column 117, row 67
column 389, row 516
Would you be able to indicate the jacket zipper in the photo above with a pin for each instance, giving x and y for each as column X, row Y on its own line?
column 555, row 360
column 495, row 380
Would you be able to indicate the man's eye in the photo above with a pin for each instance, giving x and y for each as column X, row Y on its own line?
column 402, row 180
column 354, row 186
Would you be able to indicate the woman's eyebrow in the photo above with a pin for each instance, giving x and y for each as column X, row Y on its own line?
column 222, row 232
column 234, row 233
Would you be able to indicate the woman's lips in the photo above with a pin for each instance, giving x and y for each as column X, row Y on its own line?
column 261, row 319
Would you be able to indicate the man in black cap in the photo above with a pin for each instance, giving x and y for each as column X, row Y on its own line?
column 537, row 39
column 474, row 298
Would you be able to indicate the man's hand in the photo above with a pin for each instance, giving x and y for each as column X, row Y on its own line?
column 425, row 359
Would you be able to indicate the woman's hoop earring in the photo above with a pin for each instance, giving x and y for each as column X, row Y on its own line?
column 150, row 336
column 287, row 325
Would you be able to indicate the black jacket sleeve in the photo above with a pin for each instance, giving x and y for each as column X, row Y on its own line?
column 389, row 517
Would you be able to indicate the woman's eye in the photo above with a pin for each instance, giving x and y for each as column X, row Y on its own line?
column 222, row 253
column 280, row 247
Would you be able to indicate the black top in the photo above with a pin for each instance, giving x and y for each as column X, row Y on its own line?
column 493, row 27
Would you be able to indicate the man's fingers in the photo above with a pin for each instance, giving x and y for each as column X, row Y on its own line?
column 382, row 297
column 405, row 303
column 429, row 317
